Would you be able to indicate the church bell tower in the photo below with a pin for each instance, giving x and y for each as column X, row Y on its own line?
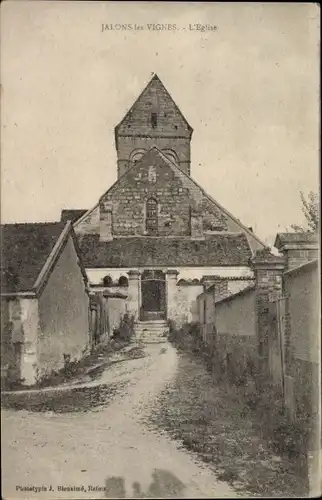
column 153, row 120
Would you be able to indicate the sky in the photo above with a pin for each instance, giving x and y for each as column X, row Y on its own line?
column 249, row 89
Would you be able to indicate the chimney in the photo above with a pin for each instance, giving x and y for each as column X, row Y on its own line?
column 297, row 248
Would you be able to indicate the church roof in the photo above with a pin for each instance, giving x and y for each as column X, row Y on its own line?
column 217, row 250
column 28, row 253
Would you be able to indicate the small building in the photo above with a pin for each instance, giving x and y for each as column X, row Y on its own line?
column 44, row 301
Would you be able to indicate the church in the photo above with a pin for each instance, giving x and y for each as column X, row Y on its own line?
column 155, row 234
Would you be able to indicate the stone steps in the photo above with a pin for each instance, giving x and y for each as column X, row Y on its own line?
column 154, row 331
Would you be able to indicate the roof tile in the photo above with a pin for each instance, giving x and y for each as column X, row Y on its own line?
column 24, row 251
column 219, row 250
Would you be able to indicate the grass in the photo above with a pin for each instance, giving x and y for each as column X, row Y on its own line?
column 213, row 421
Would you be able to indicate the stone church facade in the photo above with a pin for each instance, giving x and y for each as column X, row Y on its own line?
column 155, row 228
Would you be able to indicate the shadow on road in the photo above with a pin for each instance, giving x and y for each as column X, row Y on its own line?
column 164, row 485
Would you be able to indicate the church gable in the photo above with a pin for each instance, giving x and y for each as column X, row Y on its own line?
column 89, row 223
column 155, row 198
column 211, row 216
column 149, row 200
column 154, row 113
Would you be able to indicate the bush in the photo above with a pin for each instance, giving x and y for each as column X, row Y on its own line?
column 187, row 337
column 285, row 436
column 126, row 329
column 288, row 438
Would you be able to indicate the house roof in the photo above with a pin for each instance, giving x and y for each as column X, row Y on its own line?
column 28, row 252
column 217, row 250
column 71, row 214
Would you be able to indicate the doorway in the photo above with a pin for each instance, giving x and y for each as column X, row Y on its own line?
column 153, row 300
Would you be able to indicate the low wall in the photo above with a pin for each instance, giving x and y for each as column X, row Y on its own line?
column 236, row 341
column 228, row 330
column 236, row 315
column 185, row 303
column 116, row 308
column 63, row 315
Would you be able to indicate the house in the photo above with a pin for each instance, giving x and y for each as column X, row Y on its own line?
column 155, row 225
column 44, row 300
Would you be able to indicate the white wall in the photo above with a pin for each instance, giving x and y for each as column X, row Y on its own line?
column 63, row 314
column 96, row 275
column 237, row 316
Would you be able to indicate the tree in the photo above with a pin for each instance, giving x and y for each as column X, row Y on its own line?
column 310, row 209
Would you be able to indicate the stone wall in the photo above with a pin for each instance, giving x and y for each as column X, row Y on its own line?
column 130, row 195
column 128, row 201
column 128, row 145
column 169, row 131
column 10, row 366
column 297, row 257
column 19, row 329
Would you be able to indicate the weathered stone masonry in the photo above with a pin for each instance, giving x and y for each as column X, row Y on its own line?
column 169, row 130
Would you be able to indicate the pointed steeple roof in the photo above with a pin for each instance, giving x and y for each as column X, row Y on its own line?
column 154, row 99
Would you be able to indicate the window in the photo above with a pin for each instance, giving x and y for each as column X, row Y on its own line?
column 136, row 156
column 107, row 281
column 152, row 216
column 154, row 120
column 123, row 281
column 172, row 155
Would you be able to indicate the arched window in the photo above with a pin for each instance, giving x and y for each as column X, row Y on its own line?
column 172, row 155
column 107, row 281
column 136, row 155
column 123, row 281
column 152, row 216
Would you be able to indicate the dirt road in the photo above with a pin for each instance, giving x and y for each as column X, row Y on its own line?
column 109, row 451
